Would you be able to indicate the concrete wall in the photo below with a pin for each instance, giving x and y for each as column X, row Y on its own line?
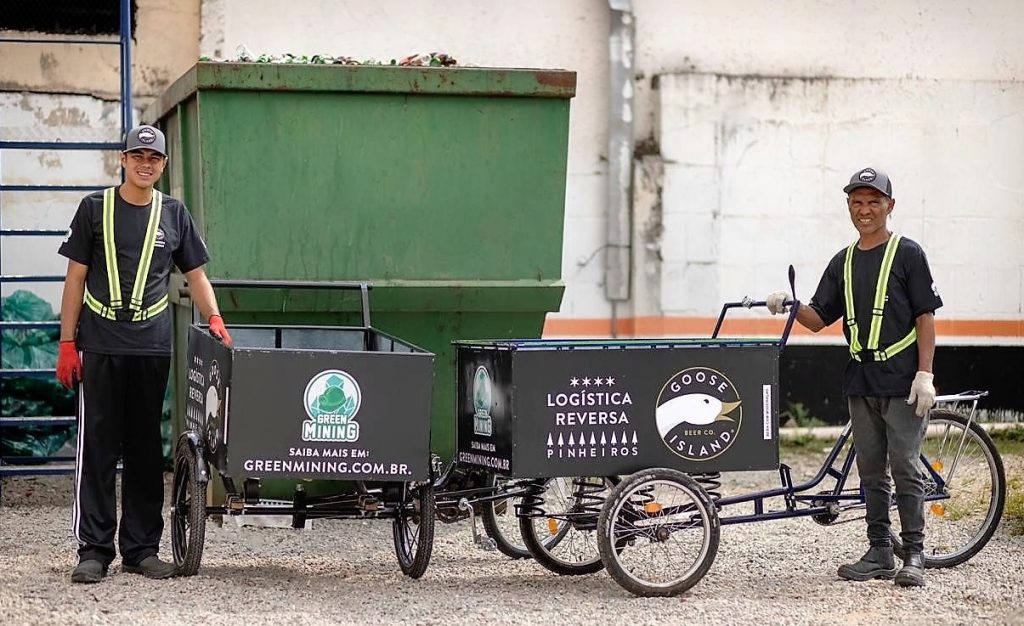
column 762, row 109
column 744, row 166
column 60, row 92
column 166, row 44
column 765, row 109
column 754, row 170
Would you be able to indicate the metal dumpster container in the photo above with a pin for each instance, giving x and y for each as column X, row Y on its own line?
column 444, row 187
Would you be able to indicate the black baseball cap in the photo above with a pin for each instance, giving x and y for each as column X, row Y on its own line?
column 147, row 137
column 870, row 177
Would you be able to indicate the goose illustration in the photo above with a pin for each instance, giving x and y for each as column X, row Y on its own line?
column 693, row 408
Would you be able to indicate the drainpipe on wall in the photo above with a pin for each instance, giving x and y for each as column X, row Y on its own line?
column 620, row 155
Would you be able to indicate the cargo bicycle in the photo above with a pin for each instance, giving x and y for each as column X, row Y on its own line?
column 659, row 530
column 646, row 499
column 300, row 421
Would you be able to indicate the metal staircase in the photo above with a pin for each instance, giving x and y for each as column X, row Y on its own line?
column 14, row 466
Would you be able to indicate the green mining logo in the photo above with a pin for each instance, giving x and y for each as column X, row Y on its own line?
column 331, row 400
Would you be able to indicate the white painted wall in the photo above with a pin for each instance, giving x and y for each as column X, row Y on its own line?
column 936, row 75
column 754, row 171
column 930, row 84
column 936, row 39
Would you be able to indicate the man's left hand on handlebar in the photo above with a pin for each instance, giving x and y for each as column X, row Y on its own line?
column 776, row 302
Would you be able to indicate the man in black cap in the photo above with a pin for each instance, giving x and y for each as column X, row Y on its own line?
column 115, row 345
column 881, row 286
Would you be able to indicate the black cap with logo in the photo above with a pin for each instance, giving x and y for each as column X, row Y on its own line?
column 870, row 177
column 147, row 137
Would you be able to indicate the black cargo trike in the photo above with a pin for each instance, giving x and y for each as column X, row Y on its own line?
column 610, row 455
column 338, row 415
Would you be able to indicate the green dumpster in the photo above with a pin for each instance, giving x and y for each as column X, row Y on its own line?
column 444, row 187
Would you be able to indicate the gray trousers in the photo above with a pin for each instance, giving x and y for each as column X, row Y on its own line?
column 887, row 432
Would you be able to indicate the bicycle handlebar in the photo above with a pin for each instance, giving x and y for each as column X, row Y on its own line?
column 793, row 304
column 747, row 303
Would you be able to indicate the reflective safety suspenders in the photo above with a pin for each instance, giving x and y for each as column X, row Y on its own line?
column 115, row 310
column 872, row 352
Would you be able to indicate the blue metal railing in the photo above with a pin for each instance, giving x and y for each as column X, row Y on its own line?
column 63, row 145
column 54, row 464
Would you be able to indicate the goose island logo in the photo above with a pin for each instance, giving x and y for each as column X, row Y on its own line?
column 482, row 397
column 331, row 400
column 698, row 413
column 214, row 406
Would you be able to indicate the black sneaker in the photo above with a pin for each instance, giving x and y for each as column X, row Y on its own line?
column 877, row 562
column 912, row 574
column 152, row 567
column 89, row 571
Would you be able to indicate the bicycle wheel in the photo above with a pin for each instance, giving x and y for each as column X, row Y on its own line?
column 658, row 533
column 965, row 490
column 563, row 537
column 413, row 529
column 188, row 511
column 501, row 524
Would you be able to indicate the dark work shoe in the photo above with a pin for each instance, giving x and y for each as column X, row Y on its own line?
column 877, row 562
column 912, row 574
column 90, row 571
column 152, row 567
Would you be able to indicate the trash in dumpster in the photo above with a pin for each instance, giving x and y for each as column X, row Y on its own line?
column 425, row 59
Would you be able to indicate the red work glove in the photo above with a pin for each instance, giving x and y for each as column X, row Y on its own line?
column 217, row 329
column 69, row 366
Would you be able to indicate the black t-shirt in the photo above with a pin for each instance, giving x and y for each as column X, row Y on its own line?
column 177, row 243
column 911, row 293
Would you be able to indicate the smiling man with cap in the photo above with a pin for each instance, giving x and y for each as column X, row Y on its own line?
column 882, row 289
column 115, row 347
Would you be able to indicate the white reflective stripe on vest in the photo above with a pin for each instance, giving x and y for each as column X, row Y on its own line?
column 877, row 308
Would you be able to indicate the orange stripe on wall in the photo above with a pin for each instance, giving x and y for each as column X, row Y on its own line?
column 702, row 327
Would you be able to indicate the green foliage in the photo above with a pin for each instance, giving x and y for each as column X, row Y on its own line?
column 797, row 414
column 34, row 348
column 1009, row 440
column 1013, row 514
column 1014, row 433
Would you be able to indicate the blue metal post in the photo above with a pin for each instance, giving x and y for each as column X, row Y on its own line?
column 126, row 67
column 57, row 465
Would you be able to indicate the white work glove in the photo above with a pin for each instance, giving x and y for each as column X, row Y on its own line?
column 923, row 392
column 776, row 302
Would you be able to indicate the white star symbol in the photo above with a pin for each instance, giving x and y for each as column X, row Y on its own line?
column 610, row 381
column 574, row 381
column 598, row 382
column 586, row 382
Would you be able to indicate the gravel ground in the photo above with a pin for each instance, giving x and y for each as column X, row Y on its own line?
column 345, row 572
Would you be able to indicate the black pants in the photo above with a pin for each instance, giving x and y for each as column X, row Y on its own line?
column 119, row 405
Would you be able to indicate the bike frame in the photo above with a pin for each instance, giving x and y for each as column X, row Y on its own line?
column 798, row 503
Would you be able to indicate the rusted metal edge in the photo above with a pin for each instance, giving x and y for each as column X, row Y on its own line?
column 499, row 82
